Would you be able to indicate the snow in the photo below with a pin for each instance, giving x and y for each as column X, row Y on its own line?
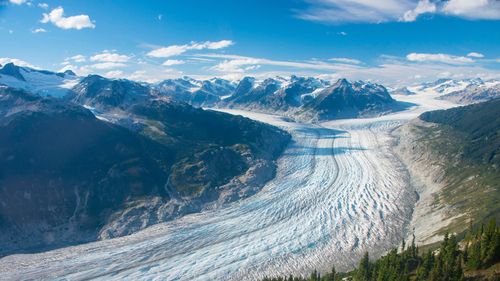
column 41, row 83
column 339, row 191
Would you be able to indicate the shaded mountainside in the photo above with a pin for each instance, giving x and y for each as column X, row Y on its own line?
column 454, row 156
column 69, row 177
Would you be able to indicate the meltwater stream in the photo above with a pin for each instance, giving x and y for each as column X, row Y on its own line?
column 338, row 192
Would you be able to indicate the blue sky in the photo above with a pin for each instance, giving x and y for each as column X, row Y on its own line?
column 390, row 41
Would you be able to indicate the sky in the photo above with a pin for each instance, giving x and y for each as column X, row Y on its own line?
column 387, row 41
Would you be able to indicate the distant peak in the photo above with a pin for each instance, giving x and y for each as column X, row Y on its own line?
column 342, row 83
column 12, row 70
column 69, row 72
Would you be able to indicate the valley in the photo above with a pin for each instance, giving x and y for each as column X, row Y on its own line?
column 339, row 191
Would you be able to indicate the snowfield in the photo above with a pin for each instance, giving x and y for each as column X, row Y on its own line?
column 339, row 191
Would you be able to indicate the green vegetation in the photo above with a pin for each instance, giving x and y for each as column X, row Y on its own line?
column 465, row 143
column 475, row 258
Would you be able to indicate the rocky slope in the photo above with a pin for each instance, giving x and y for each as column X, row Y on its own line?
column 454, row 159
column 69, row 177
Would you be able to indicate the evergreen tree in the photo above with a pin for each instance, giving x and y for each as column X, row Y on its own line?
column 363, row 271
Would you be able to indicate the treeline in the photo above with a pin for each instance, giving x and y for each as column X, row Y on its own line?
column 479, row 250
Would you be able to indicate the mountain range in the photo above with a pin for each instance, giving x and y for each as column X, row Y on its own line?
column 88, row 158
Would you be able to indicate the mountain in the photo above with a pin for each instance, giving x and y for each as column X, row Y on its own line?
column 63, row 172
column 194, row 92
column 103, row 93
column 41, row 82
column 475, row 93
column 69, row 175
column 454, row 159
column 304, row 98
column 311, row 98
column 349, row 100
column 402, row 91
column 445, row 85
column 273, row 94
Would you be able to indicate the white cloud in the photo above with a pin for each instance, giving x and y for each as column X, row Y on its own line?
column 217, row 45
column 343, row 33
column 44, row 6
column 173, row 62
column 18, row 62
column 240, row 64
column 345, row 60
column 17, row 2
column 339, row 11
column 67, row 67
column 473, row 9
column 377, row 11
column 442, row 58
column 77, row 58
column 175, row 50
column 107, row 65
column 56, row 16
column 107, row 56
column 114, row 74
column 38, row 30
column 475, row 55
column 423, row 7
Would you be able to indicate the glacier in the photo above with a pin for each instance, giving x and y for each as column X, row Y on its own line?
column 339, row 191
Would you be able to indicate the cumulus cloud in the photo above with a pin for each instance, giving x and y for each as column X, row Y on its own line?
column 56, row 17
column 77, row 58
column 475, row 55
column 4, row 61
column 369, row 11
column 108, row 56
column 173, row 62
column 423, row 7
column 175, row 50
column 442, row 58
column 44, row 6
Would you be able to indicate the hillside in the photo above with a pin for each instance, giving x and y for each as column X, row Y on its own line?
column 453, row 156
column 69, row 177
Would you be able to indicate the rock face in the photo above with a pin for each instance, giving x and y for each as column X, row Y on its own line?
column 454, row 159
column 69, row 177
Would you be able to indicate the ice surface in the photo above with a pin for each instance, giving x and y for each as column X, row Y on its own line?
column 339, row 191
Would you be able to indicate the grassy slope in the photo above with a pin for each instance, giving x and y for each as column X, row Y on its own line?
column 468, row 139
